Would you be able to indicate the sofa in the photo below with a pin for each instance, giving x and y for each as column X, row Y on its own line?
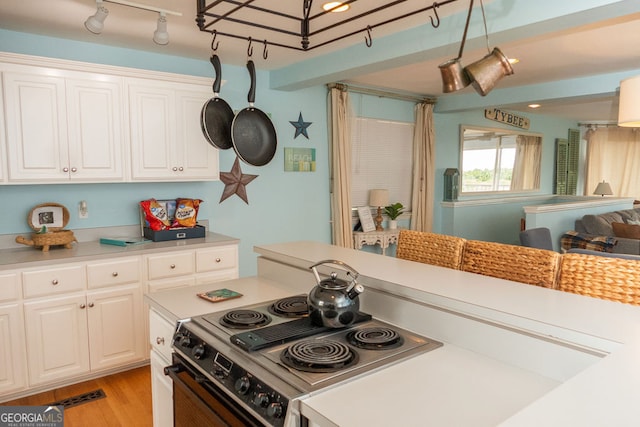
column 622, row 228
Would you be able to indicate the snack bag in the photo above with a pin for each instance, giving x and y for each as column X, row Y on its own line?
column 187, row 212
column 155, row 214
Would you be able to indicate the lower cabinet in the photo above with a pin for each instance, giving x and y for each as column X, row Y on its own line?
column 72, row 335
column 12, row 351
column 160, row 336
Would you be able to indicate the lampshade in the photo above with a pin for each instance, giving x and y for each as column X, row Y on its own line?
column 95, row 23
column 378, row 197
column 603, row 189
column 629, row 107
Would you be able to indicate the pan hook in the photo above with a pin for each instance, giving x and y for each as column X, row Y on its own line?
column 249, row 48
column 265, row 52
column 214, row 47
column 368, row 40
column 435, row 23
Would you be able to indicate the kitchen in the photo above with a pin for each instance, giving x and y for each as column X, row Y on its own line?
column 306, row 214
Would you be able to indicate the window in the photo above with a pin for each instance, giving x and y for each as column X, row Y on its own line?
column 382, row 153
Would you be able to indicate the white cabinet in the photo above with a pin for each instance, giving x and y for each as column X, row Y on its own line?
column 167, row 143
column 161, row 333
column 71, row 330
column 62, row 126
column 12, row 346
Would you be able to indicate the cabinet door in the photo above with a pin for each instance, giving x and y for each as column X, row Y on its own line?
column 161, row 392
column 12, row 350
column 199, row 158
column 95, row 130
column 57, row 336
column 153, row 138
column 35, row 114
column 116, row 326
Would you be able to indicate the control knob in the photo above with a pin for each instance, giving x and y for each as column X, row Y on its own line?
column 275, row 410
column 242, row 385
column 261, row 400
column 198, row 351
column 182, row 339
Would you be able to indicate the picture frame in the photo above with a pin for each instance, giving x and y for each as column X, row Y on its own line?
column 50, row 215
column 366, row 219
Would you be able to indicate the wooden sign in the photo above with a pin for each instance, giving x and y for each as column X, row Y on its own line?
column 506, row 117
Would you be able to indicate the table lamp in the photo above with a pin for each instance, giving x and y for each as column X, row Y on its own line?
column 378, row 198
column 603, row 189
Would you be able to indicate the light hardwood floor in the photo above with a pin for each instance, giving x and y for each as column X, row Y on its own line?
column 128, row 401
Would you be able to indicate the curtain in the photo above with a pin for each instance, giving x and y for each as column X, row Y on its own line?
column 340, row 166
column 423, row 169
column 613, row 155
column 526, row 170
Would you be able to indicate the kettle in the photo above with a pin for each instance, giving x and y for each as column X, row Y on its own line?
column 334, row 302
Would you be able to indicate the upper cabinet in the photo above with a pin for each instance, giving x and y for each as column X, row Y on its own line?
column 63, row 127
column 70, row 122
column 166, row 137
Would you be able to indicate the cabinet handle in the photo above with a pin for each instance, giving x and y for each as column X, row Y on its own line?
column 65, row 169
column 172, row 266
column 114, row 274
column 90, row 304
column 82, row 306
column 218, row 260
column 74, row 169
column 175, row 169
column 160, row 340
column 180, row 168
column 54, row 282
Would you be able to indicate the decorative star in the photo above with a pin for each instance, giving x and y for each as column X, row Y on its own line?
column 235, row 182
column 301, row 127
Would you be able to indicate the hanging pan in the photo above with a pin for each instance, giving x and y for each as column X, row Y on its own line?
column 216, row 116
column 253, row 135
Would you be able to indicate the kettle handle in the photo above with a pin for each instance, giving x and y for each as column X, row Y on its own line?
column 351, row 271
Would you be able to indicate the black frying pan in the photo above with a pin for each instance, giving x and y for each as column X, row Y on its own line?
column 253, row 135
column 216, row 116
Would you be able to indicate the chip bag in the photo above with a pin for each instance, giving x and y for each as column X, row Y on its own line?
column 187, row 212
column 155, row 214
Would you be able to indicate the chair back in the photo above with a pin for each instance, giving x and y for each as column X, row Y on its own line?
column 537, row 238
column 532, row 266
column 613, row 279
column 430, row 248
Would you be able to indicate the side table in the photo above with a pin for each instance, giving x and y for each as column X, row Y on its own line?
column 382, row 238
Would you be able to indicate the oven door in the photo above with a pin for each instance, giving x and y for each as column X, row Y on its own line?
column 199, row 402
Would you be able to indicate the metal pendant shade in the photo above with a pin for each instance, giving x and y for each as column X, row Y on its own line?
column 482, row 74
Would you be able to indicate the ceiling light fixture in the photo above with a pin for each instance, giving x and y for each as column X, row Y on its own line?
column 160, row 35
column 534, row 105
column 629, row 106
column 95, row 23
column 335, row 6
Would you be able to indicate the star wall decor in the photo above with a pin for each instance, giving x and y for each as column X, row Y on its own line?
column 235, row 182
column 301, row 127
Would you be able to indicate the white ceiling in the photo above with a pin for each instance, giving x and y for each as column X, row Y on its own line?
column 547, row 52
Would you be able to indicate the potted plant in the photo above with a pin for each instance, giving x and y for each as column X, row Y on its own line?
column 393, row 212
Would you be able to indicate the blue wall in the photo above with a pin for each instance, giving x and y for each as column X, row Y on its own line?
column 282, row 206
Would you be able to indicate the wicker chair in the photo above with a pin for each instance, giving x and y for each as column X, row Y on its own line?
column 430, row 248
column 532, row 266
column 613, row 279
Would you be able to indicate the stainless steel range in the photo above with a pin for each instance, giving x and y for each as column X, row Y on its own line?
column 257, row 359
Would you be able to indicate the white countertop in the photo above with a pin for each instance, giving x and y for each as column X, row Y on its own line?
column 82, row 251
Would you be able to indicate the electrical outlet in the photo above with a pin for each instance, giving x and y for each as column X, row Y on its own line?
column 83, row 211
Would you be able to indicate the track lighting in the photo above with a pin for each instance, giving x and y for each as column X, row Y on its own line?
column 95, row 23
column 160, row 35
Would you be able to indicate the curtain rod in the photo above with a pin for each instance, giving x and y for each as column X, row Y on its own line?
column 382, row 93
column 598, row 125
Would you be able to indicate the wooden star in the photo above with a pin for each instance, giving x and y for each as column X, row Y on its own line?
column 235, row 182
column 301, row 127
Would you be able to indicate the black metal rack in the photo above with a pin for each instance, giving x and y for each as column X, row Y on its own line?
column 233, row 13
